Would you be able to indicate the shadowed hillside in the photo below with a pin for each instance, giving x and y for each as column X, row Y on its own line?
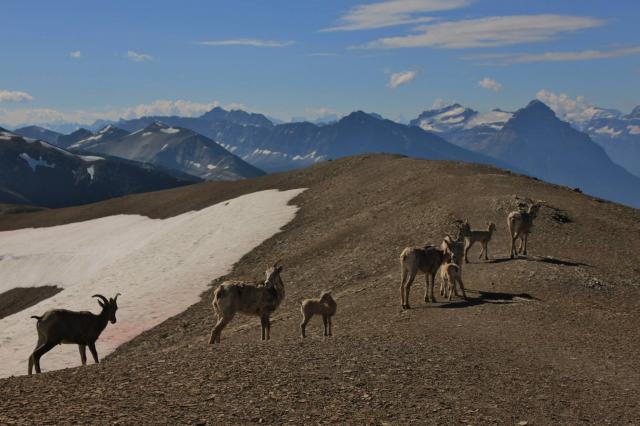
column 548, row 339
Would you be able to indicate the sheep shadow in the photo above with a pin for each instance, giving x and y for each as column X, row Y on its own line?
column 542, row 259
column 490, row 297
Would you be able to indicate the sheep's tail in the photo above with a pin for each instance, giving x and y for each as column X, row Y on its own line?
column 36, row 317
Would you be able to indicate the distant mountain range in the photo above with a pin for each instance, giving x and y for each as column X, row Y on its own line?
column 235, row 144
column 533, row 139
column 37, row 173
column 174, row 148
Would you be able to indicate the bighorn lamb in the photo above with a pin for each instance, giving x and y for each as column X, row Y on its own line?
column 324, row 306
column 425, row 259
column 81, row 328
column 451, row 274
column 520, row 226
column 473, row 236
column 260, row 299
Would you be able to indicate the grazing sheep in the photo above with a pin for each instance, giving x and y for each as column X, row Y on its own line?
column 325, row 306
column 482, row 236
column 260, row 299
column 81, row 328
column 426, row 259
column 451, row 273
column 520, row 226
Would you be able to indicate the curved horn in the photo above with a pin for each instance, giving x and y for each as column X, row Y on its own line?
column 116, row 296
column 276, row 264
column 101, row 297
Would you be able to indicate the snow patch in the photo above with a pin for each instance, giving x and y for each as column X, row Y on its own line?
column 633, row 130
column 606, row 130
column 92, row 171
column 142, row 258
column 170, row 130
column 146, row 133
column 33, row 163
column 165, row 146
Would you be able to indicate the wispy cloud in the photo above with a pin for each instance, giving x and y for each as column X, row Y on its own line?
column 489, row 32
column 584, row 55
column 392, row 13
column 247, row 42
column 401, row 78
column 490, row 84
column 322, row 54
column 138, row 57
column 15, row 117
column 75, row 54
column 14, row 96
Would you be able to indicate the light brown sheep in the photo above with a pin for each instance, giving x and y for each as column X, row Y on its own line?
column 451, row 274
column 425, row 259
column 477, row 235
column 520, row 226
column 260, row 299
column 324, row 305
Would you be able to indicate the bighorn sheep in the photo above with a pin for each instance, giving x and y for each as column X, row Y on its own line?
column 520, row 225
column 473, row 236
column 426, row 259
column 451, row 273
column 260, row 299
column 81, row 328
column 325, row 306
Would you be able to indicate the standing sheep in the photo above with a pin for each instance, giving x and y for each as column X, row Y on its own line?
column 520, row 226
column 425, row 259
column 60, row 326
column 451, row 274
column 325, row 306
column 482, row 236
column 260, row 299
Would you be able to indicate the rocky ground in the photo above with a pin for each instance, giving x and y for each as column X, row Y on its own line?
column 551, row 338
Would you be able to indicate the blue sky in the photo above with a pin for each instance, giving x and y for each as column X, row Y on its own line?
column 81, row 60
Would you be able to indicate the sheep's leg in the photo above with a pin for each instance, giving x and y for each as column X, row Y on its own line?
column 513, row 247
column 326, row 325
column 403, row 281
column 303, row 325
column 220, row 325
column 486, row 251
column 407, row 288
column 482, row 251
column 37, row 354
column 83, row 354
column 526, row 238
column 467, row 247
column 94, row 353
column 443, row 286
column 433, row 283
column 464, row 295
column 330, row 333
column 264, row 320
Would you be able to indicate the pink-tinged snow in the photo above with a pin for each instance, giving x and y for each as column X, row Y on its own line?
column 160, row 266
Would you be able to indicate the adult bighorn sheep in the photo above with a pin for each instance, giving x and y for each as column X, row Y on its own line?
column 520, row 226
column 83, row 328
column 324, row 305
column 250, row 298
column 425, row 259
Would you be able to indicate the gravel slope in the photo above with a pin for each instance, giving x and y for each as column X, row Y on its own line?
column 550, row 339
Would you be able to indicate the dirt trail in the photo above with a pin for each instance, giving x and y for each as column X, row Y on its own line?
column 551, row 339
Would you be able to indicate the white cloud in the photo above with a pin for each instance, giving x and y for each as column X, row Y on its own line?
column 401, row 78
column 75, row 54
column 14, row 96
column 15, row 117
column 247, row 42
column 392, row 13
column 584, row 55
column 138, row 57
column 322, row 54
column 490, row 84
column 489, row 32
column 577, row 111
